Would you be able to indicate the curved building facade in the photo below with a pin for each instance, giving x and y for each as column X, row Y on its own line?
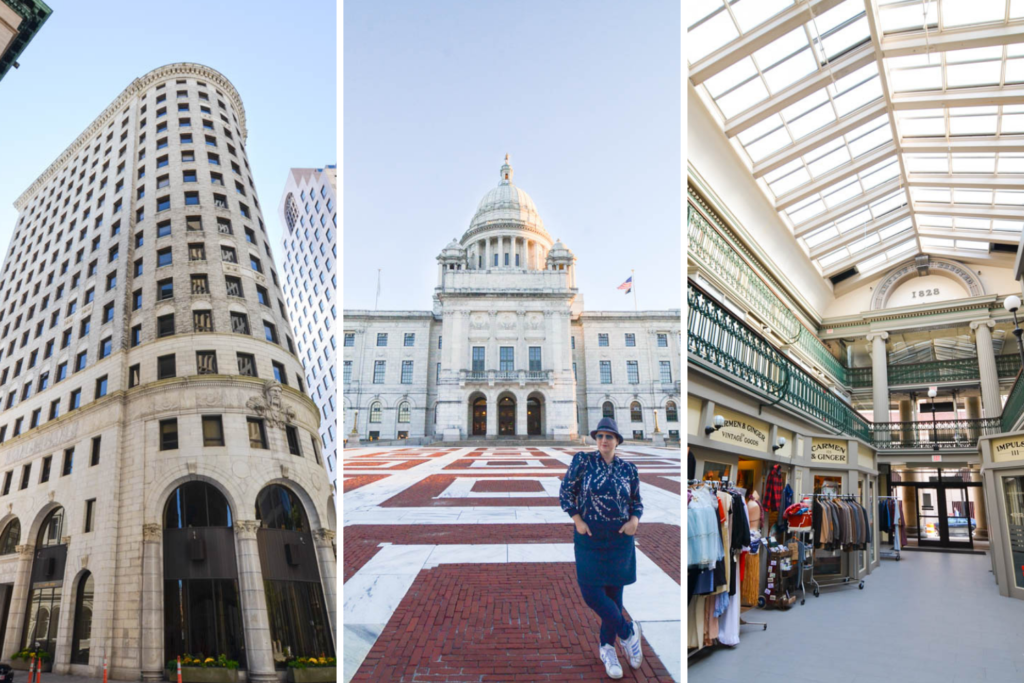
column 163, row 491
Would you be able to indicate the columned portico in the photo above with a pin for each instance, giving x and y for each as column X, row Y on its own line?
column 152, row 603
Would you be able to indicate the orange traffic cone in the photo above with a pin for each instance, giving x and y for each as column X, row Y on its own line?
column 31, row 668
column 104, row 669
column 179, row 668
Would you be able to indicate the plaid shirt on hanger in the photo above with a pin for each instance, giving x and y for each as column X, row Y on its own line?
column 773, row 489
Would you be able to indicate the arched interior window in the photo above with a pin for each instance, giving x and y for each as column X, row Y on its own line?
column 52, row 529
column 608, row 410
column 10, row 538
column 636, row 414
column 278, row 507
column 403, row 413
column 671, row 413
column 375, row 410
column 196, row 504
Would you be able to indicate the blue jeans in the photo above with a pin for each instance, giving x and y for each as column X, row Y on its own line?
column 607, row 602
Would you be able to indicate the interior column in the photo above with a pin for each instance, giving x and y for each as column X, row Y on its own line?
column 879, row 376
column 990, row 400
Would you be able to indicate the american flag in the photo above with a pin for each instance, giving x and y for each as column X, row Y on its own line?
column 627, row 285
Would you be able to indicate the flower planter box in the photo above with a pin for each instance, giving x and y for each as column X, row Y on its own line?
column 318, row 674
column 197, row 674
column 22, row 665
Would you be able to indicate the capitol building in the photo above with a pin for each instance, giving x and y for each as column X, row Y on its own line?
column 507, row 349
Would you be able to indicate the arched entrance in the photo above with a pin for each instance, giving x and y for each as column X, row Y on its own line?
column 506, row 416
column 291, row 577
column 534, row 414
column 478, row 410
column 81, row 639
column 43, row 613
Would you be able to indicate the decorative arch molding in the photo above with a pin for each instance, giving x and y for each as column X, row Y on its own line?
column 947, row 268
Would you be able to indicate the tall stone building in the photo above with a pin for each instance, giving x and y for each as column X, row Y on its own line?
column 162, row 486
column 309, row 212
column 508, row 349
column 20, row 20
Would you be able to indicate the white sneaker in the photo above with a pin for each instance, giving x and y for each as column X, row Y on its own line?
column 632, row 648
column 611, row 661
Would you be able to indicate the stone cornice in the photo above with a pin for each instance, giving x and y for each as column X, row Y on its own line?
column 992, row 303
column 136, row 87
column 506, row 226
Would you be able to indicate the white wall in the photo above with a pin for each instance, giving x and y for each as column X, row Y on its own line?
column 711, row 153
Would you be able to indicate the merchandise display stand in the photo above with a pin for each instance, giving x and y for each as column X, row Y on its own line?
column 893, row 554
column 843, row 581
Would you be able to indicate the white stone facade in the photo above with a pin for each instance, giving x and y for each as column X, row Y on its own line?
column 309, row 211
column 94, row 233
column 507, row 349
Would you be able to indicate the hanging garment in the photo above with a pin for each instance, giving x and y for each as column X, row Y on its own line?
column 691, row 465
column 772, row 497
column 729, row 624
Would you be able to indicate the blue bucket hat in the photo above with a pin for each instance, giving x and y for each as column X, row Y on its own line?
column 607, row 424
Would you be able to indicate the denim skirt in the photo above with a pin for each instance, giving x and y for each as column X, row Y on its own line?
column 606, row 557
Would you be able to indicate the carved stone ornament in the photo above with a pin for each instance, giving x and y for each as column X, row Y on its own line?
column 84, row 561
column 152, row 532
column 246, row 527
column 66, row 540
column 270, row 406
column 192, row 466
column 26, row 550
column 323, row 535
column 478, row 324
column 285, row 471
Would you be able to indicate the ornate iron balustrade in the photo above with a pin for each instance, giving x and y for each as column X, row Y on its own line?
column 956, row 370
column 492, row 376
column 1008, row 364
column 1014, row 404
column 924, row 435
column 859, row 377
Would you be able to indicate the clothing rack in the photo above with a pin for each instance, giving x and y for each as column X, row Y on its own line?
column 893, row 554
column 842, row 582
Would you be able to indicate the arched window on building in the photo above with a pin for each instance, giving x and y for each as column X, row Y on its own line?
column 671, row 412
column 403, row 413
column 608, row 410
column 636, row 413
column 10, row 538
column 81, row 638
column 43, row 611
column 291, row 578
column 375, row 411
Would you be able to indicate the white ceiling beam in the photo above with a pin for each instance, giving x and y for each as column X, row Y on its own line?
column 836, row 175
column 846, row 207
column 968, row 97
column 1006, row 213
column 818, row 138
column 865, row 254
column 952, row 39
column 851, row 236
column 972, row 235
column 966, row 145
column 749, row 43
column 981, row 182
column 792, row 94
column 978, row 258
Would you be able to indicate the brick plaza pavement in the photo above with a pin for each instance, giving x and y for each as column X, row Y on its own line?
column 458, row 566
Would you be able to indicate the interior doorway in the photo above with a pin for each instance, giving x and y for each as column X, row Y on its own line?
column 943, row 508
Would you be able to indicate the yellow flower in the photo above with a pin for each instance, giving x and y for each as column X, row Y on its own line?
column 330, row 659
column 208, row 660
column 322, row 661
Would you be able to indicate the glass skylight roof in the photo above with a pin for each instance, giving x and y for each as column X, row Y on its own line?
column 799, row 91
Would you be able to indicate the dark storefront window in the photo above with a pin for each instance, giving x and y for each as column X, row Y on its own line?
column 43, row 613
column 82, row 639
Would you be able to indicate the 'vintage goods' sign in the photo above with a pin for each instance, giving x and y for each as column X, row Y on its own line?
column 830, row 451
column 740, row 430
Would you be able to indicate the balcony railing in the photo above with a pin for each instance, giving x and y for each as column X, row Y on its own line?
column 1008, row 365
column 1014, row 405
column 956, row 370
column 491, row 376
column 859, row 377
column 925, row 434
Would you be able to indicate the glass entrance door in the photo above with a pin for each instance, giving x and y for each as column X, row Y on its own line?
column 960, row 518
column 929, row 517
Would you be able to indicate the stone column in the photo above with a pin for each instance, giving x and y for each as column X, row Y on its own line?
column 492, row 417
column 323, row 540
column 521, row 413
column 990, row 400
column 255, row 621
column 152, row 602
column 906, row 417
column 879, row 376
column 973, row 407
column 487, row 252
column 521, row 343
column 19, row 601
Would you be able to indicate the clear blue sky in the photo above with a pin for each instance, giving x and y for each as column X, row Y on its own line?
column 585, row 96
column 282, row 62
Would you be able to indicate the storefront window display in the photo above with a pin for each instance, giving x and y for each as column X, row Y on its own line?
column 1013, row 490
column 714, row 471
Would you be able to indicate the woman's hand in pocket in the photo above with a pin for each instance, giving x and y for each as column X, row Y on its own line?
column 629, row 528
column 582, row 528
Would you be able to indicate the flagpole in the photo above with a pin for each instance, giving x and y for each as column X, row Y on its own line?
column 376, row 298
column 633, row 275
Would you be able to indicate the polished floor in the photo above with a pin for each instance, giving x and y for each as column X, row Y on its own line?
column 932, row 617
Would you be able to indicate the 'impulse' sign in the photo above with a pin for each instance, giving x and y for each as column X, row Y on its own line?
column 830, row 451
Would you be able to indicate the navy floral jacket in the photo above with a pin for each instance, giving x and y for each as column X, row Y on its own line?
column 601, row 492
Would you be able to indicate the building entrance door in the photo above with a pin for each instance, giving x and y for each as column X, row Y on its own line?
column 507, row 416
column 532, row 416
column 480, row 417
column 945, row 517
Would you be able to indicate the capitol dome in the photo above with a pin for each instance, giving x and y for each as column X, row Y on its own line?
column 507, row 206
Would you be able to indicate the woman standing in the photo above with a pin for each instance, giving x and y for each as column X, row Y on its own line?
column 601, row 492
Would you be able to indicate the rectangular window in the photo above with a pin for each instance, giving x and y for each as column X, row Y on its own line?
column 270, row 332
column 234, row 286
column 81, row 360
column 44, row 473
column 479, row 358
column 206, row 362
column 535, row 365
column 350, row 339
column 165, row 325
column 632, row 372
column 574, row 371
column 602, row 340
column 7, row 482
column 348, row 371
column 630, row 339
column 437, row 373
column 134, row 376
column 164, row 257
column 572, row 341
column 106, row 346
column 69, row 459
column 101, row 387
column 293, row 440
column 165, row 367
column 666, row 371
column 200, row 284
column 239, row 323
column 213, row 431
column 136, row 336
column 62, row 372
column 257, row 433
column 94, row 458
column 382, row 339
column 247, row 365
column 663, row 341
column 228, row 255
column 89, row 507
column 507, row 359
column 606, row 372
column 34, row 421
column 410, row 339
column 378, row 371
column 279, row 373
column 263, row 295
column 406, row 372
column 169, row 434
column 75, row 402
column 26, row 472
column 108, row 313
column 54, row 409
